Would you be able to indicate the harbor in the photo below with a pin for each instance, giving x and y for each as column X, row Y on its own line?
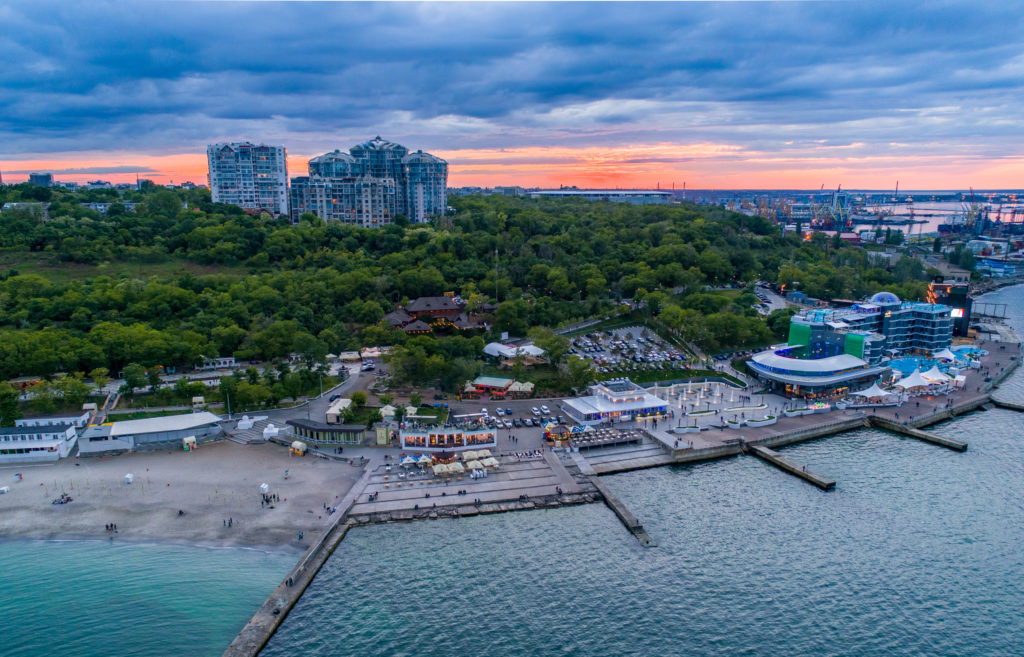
column 545, row 478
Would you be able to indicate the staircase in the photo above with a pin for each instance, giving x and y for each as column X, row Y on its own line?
column 252, row 436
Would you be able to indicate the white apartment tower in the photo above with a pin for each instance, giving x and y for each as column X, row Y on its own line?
column 251, row 176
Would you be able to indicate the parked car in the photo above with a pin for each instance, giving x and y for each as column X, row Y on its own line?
column 517, row 423
column 508, row 411
column 507, row 423
column 545, row 410
column 501, row 411
column 535, row 410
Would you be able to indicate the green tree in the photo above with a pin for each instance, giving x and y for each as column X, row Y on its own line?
column 415, row 399
column 9, row 409
column 359, row 399
column 134, row 377
column 581, row 372
column 100, row 377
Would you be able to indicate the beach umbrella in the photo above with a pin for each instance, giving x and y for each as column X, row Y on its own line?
column 424, row 461
column 490, row 462
column 483, row 454
column 456, row 468
column 440, row 469
column 469, row 455
column 475, row 465
column 408, row 461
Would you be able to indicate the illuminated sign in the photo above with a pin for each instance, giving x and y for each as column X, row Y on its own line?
column 957, row 313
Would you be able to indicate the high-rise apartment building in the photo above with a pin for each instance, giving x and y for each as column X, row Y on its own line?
column 371, row 184
column 251, row 176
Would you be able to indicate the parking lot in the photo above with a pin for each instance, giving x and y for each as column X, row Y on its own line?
column 626, row 350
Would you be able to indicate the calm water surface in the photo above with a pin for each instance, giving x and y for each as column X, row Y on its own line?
column 93, row 599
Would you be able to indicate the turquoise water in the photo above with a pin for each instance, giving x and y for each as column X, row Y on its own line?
column 917, row 552
column 90, row 598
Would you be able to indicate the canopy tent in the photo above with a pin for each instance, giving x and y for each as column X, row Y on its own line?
column 470, row 455
column 408, row 461
column 521, row 388
column 490, row 462
column 475, row 465
column 188, row 443
column 873, row 391
column 456, row 468
column 388, row 411
column 936, row 375
column 264, row 488
column 914, row 380
column 440, row 469
column 410, row 410
column 945, row 354
column 424, row 460
column 298, row 447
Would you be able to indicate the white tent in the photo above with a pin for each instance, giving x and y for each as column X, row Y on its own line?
column 914, row 380
column 935, row 375
column 456, row 467
column 424, row 460
column 264, row 488
column 440, row 469
column 490, row 462
column 408, row 461
column 410, row 410
column 483, row 453
column 469, row 455
column 945, row 354
column 388, row 411
column 475, row 465
column 873, row 391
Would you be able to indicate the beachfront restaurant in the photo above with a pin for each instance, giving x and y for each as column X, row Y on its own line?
column 812, row 378
column 448, row 439
column 328, row 434
column 615, row 401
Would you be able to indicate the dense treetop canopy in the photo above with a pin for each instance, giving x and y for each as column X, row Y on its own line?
column 224, row 282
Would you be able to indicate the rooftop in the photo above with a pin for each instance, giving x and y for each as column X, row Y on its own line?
column 165, row 423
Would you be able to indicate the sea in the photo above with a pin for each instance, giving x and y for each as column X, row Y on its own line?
column 918, row 552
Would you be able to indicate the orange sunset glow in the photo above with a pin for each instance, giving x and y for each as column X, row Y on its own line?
column 699, row 165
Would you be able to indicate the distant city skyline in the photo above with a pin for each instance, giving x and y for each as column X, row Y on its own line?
column 744, row 95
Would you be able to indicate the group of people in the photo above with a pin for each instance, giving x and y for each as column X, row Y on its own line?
column 268, row 500
column 111, row 527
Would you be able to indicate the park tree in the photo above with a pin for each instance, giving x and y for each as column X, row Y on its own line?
column 581, row 372
column 100, row 377
column 359, row 398
column 134, row 377
column 9, row 409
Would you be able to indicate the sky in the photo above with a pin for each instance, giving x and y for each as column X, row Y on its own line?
column 723, row 95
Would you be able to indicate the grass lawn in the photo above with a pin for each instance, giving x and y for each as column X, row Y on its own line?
column 440, row 415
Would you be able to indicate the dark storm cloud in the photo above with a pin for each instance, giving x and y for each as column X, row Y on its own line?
column 172, row 76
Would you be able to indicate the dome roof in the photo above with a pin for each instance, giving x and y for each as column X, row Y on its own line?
column 334, row 156
column 884, row 299
column 378, row 144
column 420, row 156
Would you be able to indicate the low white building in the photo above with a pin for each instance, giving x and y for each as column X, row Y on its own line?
column 615, row 401
column 149, row 433
column 78, row 421
column 510, row 351
column 36, row 444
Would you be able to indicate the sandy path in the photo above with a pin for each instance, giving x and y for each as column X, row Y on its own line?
column 211, row 484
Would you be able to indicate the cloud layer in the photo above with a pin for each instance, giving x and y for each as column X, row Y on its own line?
column 720, row 90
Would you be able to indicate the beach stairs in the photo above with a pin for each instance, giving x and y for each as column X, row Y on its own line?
column 253, row 436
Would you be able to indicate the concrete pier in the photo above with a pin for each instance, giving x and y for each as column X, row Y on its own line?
column 926, row 436
column 791, row 467
column 1007, row 405
column 624, row 514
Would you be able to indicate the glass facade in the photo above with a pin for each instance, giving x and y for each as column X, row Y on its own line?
column 371, row 184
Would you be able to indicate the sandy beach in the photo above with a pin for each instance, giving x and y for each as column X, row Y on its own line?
column 212, row 484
